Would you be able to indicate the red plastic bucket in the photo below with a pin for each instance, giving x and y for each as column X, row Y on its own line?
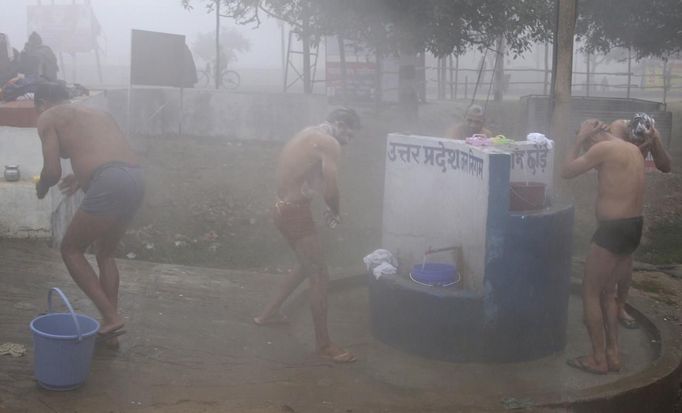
column 526, row 196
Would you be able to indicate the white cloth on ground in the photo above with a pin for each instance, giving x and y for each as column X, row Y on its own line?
column 381, row 262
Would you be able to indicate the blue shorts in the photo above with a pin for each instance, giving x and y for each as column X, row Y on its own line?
column 116, row 188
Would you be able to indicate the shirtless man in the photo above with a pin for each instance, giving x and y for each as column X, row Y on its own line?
column 307, row 162
column 640, row 131
column 474, row 125
column 620, row 200
column 108, row 171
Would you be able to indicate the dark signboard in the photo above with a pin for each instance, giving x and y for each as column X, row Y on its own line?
column 161, row 59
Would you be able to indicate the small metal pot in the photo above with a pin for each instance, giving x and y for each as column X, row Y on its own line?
column 12, row 173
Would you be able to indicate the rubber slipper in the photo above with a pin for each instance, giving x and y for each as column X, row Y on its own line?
column 579, row 364
column 342, row 358
column 630, row 324
column 111, row 334
column 272, row 321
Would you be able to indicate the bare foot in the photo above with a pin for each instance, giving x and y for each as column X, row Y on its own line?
column 613, row 362
column 588, row 364
column 337, row 354
column 626, row 320
column 270, row 320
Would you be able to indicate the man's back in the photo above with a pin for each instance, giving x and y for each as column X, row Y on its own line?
column 301, row 161
column 621, row 180
column 89, row 137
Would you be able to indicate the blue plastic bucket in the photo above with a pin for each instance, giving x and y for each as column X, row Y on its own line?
column 63, row 344
column 434, row 274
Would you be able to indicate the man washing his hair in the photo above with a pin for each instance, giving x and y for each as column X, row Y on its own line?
column 308, row 164
column 107, row 170
column 640, row 131
column 620, row 200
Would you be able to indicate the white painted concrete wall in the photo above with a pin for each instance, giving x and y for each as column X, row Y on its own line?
column 21, row 146
column 22, row 214
column 433, row 199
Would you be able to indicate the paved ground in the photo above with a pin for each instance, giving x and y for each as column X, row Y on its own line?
column 191, row 347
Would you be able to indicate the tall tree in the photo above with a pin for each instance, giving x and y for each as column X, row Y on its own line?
column 405, row 26
column 651, row 28
column 232, row 42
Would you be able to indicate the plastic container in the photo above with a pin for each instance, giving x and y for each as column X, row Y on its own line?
column 63, row 344
column 434, row 274
column 527, row 196
column 12, row 173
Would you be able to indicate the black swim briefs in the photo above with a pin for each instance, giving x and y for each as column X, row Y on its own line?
column 620, row 236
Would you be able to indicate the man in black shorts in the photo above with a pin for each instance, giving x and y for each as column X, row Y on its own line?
column 105, row 167
column 641, row 131
column 620, row 201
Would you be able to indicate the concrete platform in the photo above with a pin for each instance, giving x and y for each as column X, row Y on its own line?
column 191, row 347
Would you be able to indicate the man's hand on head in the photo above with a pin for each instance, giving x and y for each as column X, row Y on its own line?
column 588, row 129
column 649, row 140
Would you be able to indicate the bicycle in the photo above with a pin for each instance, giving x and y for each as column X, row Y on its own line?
column 229, row 79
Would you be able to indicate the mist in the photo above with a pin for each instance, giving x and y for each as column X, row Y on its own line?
column 379, row 206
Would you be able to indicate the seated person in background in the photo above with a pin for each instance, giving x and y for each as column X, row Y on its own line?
column 38, row 59
column 640, row 131
column 474, row 121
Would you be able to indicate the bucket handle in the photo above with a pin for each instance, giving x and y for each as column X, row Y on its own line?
column 68, row 304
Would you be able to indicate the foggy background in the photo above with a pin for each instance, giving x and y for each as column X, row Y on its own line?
column 261, row 66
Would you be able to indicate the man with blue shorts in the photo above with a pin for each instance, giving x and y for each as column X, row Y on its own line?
column 108, row 171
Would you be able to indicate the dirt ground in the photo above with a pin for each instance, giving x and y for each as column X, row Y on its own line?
column 191, row 346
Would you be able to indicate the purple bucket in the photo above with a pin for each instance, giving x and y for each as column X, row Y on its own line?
column 63, row 344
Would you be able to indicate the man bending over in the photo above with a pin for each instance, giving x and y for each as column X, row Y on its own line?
column 108, row 171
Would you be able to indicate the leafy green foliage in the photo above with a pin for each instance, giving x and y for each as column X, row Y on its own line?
column 651, row 28
column 440, row 26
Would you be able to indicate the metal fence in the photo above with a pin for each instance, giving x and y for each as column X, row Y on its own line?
column 452, row 83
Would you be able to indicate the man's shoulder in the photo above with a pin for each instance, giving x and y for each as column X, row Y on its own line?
column 615, row 149
column 48, row 117
column 317, row 135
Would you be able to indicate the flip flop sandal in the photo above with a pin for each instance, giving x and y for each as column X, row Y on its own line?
column 577, row 363
column 343, row 358
column 279, row 320
column 111, row 334
column 629, row 324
